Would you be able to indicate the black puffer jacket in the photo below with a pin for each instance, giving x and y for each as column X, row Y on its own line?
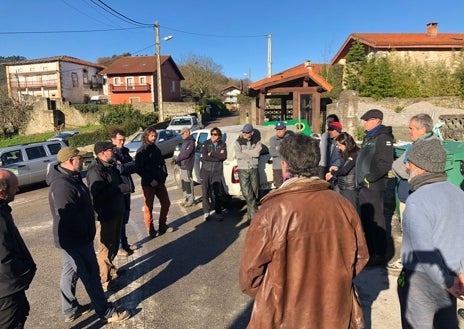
column 17, row 268
column 104, row 180
column 71, row 209
column 150, row 164
column 212, row 158
column 375, row 158
column 126, row 166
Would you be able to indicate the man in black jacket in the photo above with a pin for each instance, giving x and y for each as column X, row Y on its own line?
column 185, row 160
column 152, row 168
column 372, row 166
column 73, row 232
column 107, row 190
column 213, row 154
column 126, row 167
column 17, row 268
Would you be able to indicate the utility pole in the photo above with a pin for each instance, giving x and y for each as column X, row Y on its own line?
column 158, row 74
column 269, row 55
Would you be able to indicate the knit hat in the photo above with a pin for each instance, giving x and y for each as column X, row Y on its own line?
column 102, row 146
column 428, row 154
column 67, row 153
column 336, row 126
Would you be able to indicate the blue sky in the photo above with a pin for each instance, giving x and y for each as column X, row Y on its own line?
column 232, row 33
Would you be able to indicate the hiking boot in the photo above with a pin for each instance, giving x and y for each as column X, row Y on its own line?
column 163, row 228
column 206, row 216
column 118, row 316
column 132, row 247
column 188, row 204
column 81, row 310
column 151, row 232
column 219, row 217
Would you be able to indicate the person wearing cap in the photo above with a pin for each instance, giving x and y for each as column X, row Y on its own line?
column 126, row 167
column 17, row 267
column 432, row 251
column 74, row 233
column 247, row 150
column 374, row 161
column 274, row 145
column 303, row 248
column 185, row 160
column 151, row 167
column 324, row 146
column 107, row 190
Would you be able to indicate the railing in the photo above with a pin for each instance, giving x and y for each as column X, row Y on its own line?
column 130, row 88
column 33, row 84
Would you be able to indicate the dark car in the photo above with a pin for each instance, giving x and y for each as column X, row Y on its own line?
column 64, row 136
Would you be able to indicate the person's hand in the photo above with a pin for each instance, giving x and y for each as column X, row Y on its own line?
column 456, row 289
column 328, row 176
column 154, row 183
column 333, row 168
column 124, row 188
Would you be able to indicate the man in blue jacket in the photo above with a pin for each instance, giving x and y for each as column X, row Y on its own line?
column 17, row 268
column 185, row 160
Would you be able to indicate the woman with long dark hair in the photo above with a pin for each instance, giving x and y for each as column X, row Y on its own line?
column 346, row 181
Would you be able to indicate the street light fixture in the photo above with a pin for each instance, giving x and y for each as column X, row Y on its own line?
column 158, row 72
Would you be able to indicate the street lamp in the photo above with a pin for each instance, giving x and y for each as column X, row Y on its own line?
column 158, row 71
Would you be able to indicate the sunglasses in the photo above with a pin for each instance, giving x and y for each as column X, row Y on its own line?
column 214, row 134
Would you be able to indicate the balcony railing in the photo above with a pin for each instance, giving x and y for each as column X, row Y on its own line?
column 22, row 85
column 130, row 88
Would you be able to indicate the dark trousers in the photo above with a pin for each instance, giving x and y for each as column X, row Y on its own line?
column 249, row 184
column 373, row 220
column 278, row 179
column 127, row 201
column 14, row 310
column 211, row 189
column 81, row 263
column 424, row 304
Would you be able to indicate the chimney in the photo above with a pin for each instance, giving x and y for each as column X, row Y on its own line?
column 308, row 65
column 432, row 29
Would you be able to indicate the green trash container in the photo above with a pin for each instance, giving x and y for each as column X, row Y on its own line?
column 294, row 125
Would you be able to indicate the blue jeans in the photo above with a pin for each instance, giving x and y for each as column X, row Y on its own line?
column 81, row 263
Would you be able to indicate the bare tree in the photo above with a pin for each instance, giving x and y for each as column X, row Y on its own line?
column 14, row 114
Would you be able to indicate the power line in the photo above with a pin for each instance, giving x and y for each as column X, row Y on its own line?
column 74, row 31
column 118, row 14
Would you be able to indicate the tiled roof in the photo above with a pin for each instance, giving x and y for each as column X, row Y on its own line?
column 299, row 71
column 62, row 58
column 402, row 41
column 134, row 64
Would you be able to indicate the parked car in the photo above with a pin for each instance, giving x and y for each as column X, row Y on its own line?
column 189, row 121
column 64, row 136
column 166, row 140
column 230, row 181
column 30, row 161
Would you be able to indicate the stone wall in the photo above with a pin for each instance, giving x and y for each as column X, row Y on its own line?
column 397, row 112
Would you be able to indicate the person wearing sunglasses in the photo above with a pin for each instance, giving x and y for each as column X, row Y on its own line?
column 213, row 154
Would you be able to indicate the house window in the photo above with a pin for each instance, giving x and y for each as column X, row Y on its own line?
column 117, row 81
column 142, row 80
column 85, row 77
column 173, row 86
column 75, row 81
column 45, row 68
column 130, row 83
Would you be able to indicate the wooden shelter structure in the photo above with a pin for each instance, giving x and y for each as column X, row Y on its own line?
column 298, row 91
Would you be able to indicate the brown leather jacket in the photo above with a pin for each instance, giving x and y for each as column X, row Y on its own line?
column 302, row 250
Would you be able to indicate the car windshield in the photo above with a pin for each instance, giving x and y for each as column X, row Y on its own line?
column 181, row 122
column 137, row 138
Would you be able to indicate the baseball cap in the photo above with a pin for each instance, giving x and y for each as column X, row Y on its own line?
column 67, row 153
column 248, row 128
column 280, row 125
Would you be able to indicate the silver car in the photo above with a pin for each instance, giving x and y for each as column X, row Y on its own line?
column 30, row 161
column 166, row 140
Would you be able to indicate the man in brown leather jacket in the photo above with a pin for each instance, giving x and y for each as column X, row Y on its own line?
column 303, row 248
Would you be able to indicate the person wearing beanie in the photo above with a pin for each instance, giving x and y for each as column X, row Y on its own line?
column 374, row 161
column 432, row 251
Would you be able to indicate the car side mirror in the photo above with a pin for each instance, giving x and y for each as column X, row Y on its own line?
column 161, row 140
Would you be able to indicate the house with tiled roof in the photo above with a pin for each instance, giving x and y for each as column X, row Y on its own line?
column 134, row 80
column 61, row 77
column 230, row 94
column 428, row 47
column 298, row 94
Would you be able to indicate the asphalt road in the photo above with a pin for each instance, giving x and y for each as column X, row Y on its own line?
column 186, row 279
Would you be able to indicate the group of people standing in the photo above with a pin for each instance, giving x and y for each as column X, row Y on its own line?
column 307, row 242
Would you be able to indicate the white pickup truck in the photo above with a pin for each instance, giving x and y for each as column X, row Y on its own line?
column 229, row 135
